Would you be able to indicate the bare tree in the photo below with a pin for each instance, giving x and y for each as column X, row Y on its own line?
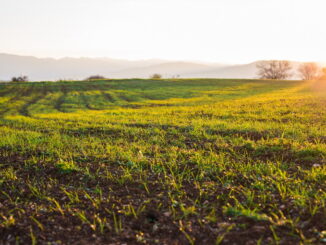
column 323, row 73
column 274, row 69
column 309, row 71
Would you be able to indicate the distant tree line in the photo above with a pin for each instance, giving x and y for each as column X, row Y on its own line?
column 273, row 69
column 282, row 69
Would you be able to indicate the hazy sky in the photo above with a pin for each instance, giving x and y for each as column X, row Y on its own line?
column 233, row 31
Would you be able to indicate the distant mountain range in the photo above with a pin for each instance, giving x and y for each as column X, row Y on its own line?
column 49, row 69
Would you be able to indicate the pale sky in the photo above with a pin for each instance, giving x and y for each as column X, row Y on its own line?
column 231, row 31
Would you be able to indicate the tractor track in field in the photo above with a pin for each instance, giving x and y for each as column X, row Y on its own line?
column 59, row 102
column 21, row 93
column 7, row 91
column 24, row 109
column 108, row 97
column 125, row 98
column 86, row 102
column 104, row 93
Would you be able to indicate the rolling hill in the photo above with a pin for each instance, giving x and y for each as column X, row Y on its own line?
column 50, row 69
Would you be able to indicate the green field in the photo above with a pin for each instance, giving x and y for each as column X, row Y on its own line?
column 201, row 161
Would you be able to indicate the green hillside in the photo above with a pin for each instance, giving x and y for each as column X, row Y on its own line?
column 202, row 161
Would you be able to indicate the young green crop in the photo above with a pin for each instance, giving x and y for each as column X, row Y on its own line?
column 194, row 161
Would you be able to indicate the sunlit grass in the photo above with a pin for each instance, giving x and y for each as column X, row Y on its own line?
column 199, row 161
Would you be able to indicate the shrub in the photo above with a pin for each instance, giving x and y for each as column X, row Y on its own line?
column 95, row 77
column 156, row 76
column 20, row 79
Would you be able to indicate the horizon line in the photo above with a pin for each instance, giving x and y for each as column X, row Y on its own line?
column 158, row 59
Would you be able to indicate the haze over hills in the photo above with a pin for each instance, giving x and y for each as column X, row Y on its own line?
column 49, row 69
column 39, row 69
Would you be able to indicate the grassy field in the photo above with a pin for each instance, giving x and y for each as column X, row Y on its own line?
column 162, row 162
